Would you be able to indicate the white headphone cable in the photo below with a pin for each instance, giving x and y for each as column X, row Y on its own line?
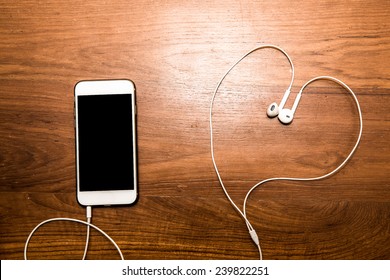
column 341, row 164
column 87, row 223
column 334, row 170
column 252, row 232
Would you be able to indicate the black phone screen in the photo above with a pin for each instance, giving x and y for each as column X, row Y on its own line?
column 105, row 142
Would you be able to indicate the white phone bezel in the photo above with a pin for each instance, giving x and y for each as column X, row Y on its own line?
column 105, row 87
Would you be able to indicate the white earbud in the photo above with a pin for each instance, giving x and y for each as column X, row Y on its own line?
column 286, row 116
column 273, row 110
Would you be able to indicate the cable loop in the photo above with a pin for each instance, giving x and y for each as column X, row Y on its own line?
column 243, row 212
column 87, row 223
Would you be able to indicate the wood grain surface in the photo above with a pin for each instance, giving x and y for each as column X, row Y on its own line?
column 176, row 52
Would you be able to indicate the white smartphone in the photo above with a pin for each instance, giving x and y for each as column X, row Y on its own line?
column 106, row 146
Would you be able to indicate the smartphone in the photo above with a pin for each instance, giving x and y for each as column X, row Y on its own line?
column 106, row 146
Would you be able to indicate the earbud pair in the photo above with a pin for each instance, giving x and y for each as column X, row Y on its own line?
column 285, row 115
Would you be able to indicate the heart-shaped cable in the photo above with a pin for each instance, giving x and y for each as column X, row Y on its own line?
column 285, row 116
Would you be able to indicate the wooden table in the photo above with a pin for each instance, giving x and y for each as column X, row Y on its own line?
column 176, row 52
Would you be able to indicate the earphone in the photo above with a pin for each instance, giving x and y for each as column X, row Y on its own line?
column 285, row 116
